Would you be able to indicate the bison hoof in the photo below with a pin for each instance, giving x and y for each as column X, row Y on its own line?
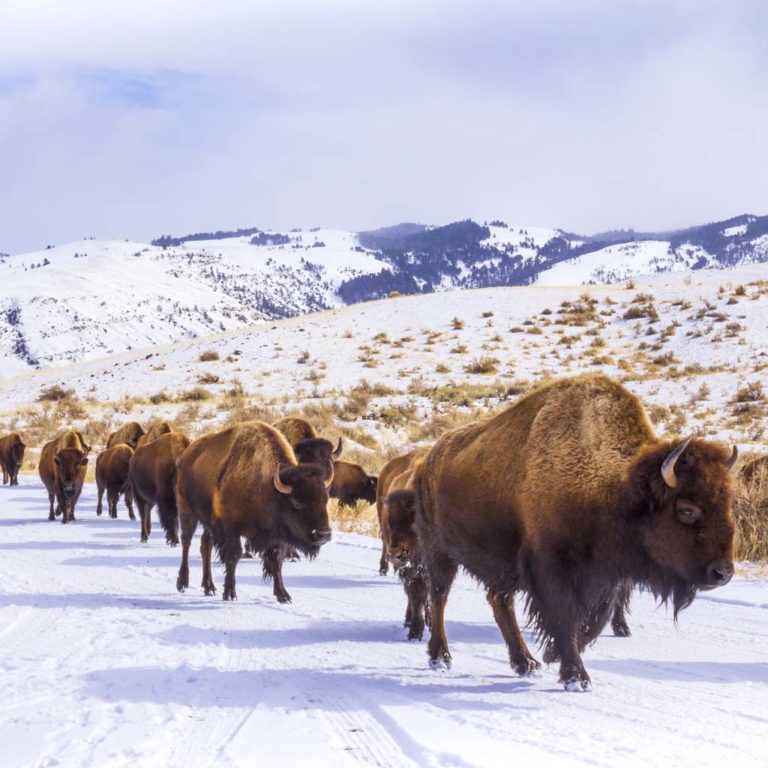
column 208, row 591
column 620, row 629
column 576, row 684
column 181, row 587
column 283, row 598
column 172, row 542
column 132, row 516
column 383, row 570
column 52, row 518
column 416, row 634
column 144, row 539
column 98, row 513
column 442, row 664
column 527, row 667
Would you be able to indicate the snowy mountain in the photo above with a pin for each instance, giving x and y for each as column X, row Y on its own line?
column 95, row 298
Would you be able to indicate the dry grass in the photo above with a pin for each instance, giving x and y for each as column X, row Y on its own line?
column 751, row 512
column 362, row 518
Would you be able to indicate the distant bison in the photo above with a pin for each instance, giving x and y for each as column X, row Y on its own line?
column 156, row 430
column 754, row 470
column 569, row 496
column 392, row 469
column 153, row 483
column 11, row 457
column 62, row 468
column 246, row 482
column 113, row 476
column 352, row 483
column 129, row 434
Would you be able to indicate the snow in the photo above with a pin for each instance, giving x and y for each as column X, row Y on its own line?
column 740, row 229
column 105, row 664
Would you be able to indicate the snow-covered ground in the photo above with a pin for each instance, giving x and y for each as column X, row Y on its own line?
column 105, row 664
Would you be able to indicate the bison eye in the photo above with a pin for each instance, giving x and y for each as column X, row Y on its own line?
column 688, row 513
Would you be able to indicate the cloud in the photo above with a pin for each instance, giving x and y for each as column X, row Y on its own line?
column 132, row 119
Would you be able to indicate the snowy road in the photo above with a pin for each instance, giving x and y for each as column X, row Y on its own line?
column 103, row 663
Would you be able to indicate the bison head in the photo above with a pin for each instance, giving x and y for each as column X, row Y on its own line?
column 17, row 455
column 316, row 450
column 686, row 528
column 369, row 490
column 70, row 467
column 305, row 488
column 401, row 515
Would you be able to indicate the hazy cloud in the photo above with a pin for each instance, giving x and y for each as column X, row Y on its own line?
column 131, row 119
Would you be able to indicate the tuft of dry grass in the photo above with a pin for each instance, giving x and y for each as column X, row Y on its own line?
column 750, row 511
column 485, row 365
column 208, row 356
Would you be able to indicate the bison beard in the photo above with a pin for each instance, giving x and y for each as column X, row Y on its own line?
column 569, row 497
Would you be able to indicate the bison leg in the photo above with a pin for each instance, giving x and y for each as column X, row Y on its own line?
column 206, row 548
column 384, row 559
column 5, row 477
column 442, row 572
column 188, row 526
column 100, row 489
column 169, row 519
column 145, row 515
column 619, row 620
column 128, row 496
column 51, row 515
column 112, row 496
column 272, row 566
column 520, row 658
column 230, row 552
column 416, row 590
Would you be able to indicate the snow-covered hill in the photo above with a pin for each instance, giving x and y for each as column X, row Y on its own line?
column 104, row 663
column 93, row 298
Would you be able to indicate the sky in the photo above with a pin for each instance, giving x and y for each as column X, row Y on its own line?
column 136, row 119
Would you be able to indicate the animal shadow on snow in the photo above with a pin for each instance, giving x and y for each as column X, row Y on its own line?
column 709, row 671
column 98, row 600
column 195, row 687
column 326, row 631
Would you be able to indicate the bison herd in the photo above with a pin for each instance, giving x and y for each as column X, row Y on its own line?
column 567, row 498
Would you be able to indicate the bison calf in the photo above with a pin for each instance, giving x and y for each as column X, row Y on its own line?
column 113, row 476
column 153, row 483
column 62, row 468
column 11, row 457
column 245, row 482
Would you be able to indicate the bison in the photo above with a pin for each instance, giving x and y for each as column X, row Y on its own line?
column 399, row 531
column 11, row 457
column 155, row 431
column 245, row 482
column 351, row 483
column 112, row 476
column 62, row 468
column 392, row 469
column 152, row 472
column 294, row 428
column 568, row 496
column 754, row 471
column 307, row 446
column 129, row 433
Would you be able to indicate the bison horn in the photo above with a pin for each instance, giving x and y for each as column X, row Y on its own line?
column 668, row 467
column 329, row 480
column 732, row 460
column 337, row 452
column 280, row 486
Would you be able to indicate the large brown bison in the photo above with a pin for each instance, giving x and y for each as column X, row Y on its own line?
column 245, row 482
column 295, row 428
column 113, row 476
column 153, row 483
column 62, row 468
column 129, row 433
column 568, row 495
column 11, row 457
column 155, row 431
column 351, row 483
column 307, row 446
column 392, row 469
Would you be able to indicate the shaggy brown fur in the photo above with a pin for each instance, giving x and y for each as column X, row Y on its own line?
column 155, row 431
column 62, row 468
column 229, row 482
column 112, row 476
column 153, row 482
column 753, row 469
column 11, row 457
column 294, row 428
column 561, row 496
column 129, row 433
column 352, row 483
column 391, row 470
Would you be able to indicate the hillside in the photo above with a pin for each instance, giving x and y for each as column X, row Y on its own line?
column 93, row 298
